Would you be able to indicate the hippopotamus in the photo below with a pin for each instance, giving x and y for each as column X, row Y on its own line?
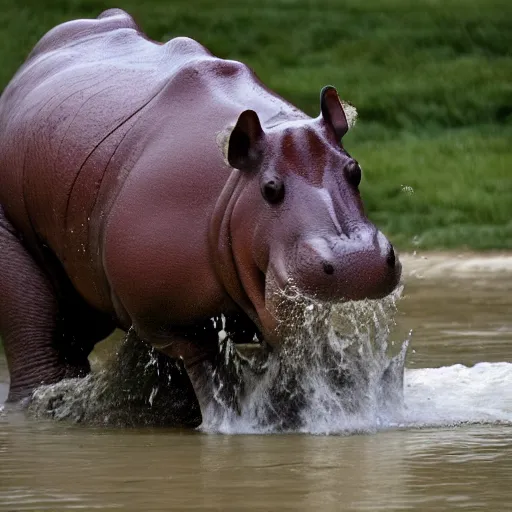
column 154, row 187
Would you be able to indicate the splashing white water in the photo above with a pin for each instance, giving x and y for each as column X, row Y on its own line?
column 333, row 376
column 458, row 394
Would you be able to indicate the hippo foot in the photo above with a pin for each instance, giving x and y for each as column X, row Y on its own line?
column 225, row 380
column 137, row 387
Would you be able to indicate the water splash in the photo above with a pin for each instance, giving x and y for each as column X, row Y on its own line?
column 333, row 373
column 337, row 373
column 457, row 394
column 137, row 387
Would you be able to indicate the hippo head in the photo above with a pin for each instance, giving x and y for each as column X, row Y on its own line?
column 296, row 215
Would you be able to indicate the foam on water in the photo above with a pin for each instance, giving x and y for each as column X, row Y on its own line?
column 338, row 372
column 459, row 394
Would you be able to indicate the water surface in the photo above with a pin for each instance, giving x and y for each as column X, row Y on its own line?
column 460, row 458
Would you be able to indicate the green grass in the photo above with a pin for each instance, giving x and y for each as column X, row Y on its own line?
column 461, row 183
column 432, row 80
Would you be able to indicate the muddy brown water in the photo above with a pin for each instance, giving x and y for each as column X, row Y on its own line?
column 453, row 452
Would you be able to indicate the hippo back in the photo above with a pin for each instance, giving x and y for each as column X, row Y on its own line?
column 83, row 110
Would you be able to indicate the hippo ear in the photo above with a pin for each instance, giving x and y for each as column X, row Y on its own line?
column 243, row 146
column 332, row 111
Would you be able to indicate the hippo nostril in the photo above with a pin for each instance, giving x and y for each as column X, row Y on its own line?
column 391, row 258
column 328, row 268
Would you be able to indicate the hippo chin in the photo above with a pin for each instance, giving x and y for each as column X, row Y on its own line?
column 151, row 187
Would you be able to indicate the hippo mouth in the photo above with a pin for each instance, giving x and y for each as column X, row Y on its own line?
column 361, row 276
column 266, row 295
column 263, row 289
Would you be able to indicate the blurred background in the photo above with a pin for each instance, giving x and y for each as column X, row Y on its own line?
column 431, row 79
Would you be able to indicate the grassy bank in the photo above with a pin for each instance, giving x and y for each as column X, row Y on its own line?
column 448, row 190
column 432, row 80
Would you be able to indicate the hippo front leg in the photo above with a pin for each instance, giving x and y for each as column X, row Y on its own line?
column 214, row 368
column 219, row 380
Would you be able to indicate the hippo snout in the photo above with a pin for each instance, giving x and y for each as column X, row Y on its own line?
column 334, row 268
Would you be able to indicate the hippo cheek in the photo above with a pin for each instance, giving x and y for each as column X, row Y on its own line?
column 276, row 280
column 338, row 269
column 263, row 288
column 265, row 302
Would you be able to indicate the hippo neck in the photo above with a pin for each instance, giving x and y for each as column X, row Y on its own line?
column 221, row 246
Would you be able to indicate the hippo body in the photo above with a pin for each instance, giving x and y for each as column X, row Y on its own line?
column 152, row 186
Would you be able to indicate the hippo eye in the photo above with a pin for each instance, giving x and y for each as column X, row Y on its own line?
column 273, row 190
column 353, row 173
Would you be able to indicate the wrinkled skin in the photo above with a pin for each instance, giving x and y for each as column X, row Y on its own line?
column 155, row 187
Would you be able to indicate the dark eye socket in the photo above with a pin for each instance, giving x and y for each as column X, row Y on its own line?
column 353, row 173
column 273, row 190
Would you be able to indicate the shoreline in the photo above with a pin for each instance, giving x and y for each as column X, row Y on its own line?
column 466, row 264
